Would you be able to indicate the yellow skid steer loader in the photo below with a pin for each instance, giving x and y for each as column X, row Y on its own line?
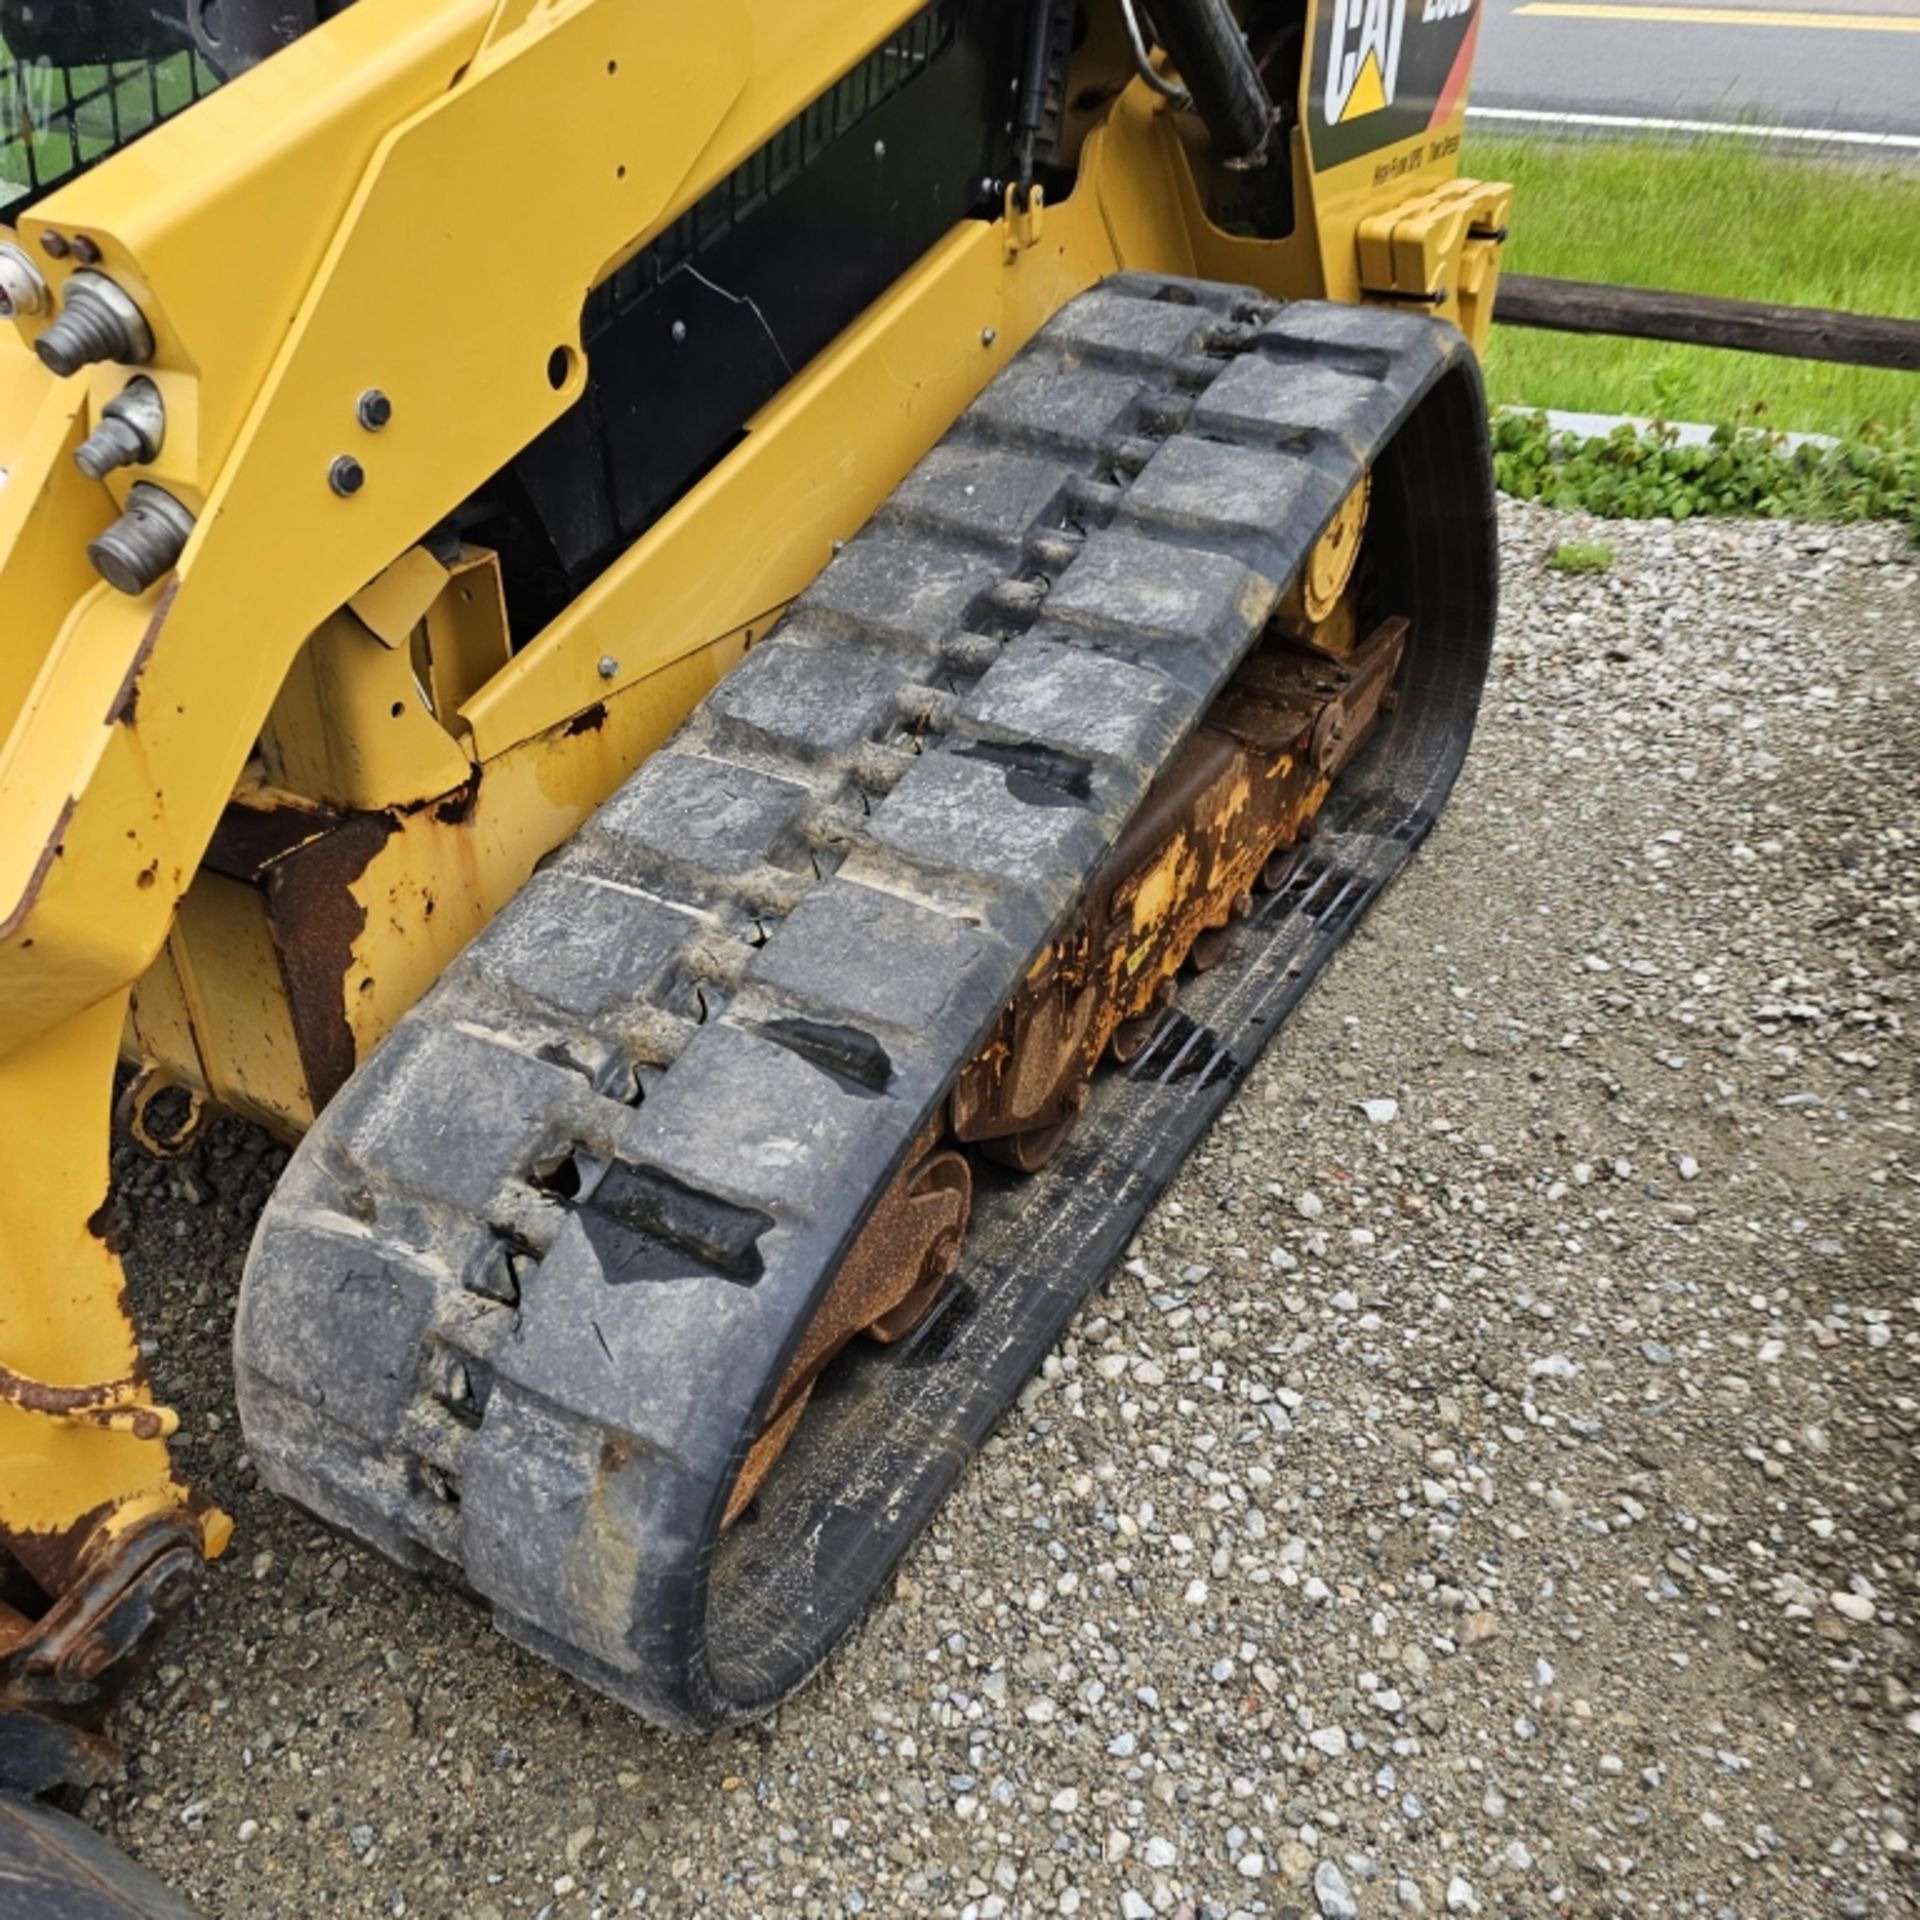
column 734, row 658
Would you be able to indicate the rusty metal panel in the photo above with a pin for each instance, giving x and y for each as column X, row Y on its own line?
column 236, row 991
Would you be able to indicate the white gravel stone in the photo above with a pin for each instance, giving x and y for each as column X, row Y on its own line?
column 1557, row 1489
column 1330, row 1889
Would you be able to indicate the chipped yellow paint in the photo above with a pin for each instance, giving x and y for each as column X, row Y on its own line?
column 1159, row 886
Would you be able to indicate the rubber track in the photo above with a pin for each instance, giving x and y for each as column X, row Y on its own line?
column 516, row 1309
column 53, row 1867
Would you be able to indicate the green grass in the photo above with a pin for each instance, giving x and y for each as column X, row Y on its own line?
column 1720, row 216
column 1581, row 556
column 1873, row 474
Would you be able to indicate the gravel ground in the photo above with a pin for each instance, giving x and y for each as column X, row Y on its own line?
column 1489, row 1488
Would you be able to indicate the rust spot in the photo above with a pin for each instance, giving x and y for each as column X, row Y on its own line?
column 53, row 1557
column 316, row 920
column 249, row 840
column 889, row 1281
column 38, row 877
column 106, row 1597
column 100, row 1223
column 591, row 720
column 99, row 1403
column 456, row 808
column 126, row 699
column 1247, row 783
column 307, row 860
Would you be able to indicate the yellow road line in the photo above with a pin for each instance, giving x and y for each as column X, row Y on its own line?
column 1725, row 16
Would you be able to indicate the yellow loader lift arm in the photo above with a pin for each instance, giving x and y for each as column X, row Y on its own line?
column 397, row 446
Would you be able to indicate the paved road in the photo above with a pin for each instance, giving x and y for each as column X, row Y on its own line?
column 1850, row 65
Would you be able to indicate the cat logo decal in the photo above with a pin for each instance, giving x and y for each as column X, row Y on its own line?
column 1363, row 65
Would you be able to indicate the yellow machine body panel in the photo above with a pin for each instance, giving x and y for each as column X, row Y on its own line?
column 249, row 813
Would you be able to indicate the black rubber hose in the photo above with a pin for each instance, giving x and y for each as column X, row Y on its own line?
column 1211, row 53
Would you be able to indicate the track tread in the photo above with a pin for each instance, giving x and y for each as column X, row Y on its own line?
column 871, row 827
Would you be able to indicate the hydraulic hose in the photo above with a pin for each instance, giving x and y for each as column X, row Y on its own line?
column 1143, row 59
column 1211, row 54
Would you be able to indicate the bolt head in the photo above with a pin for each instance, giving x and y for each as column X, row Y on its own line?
column 346, row 476
column 988, row 335
column 373, row 410
column 88, row 1662
column 22, row 288
column 609, row 666
column 54, row 245
column 86, row 250
column 679, row 331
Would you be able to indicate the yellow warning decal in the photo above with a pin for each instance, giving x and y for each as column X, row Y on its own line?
column 1369, row 93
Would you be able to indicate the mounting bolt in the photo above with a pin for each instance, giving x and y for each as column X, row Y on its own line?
column 145, row 542
column 679, row 331
column 346, row 476
column 988, row 335
column 86, row 251
column 23, row 287
column 879, row 149
column 132, row 429
column 609, row 666
column 97, row 322
column 373, row 410
column 54, row 245
column 87, row 1662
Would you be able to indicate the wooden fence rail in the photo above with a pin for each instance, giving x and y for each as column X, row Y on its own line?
column 1704, row 320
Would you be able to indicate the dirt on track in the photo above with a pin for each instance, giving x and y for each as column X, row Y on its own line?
column 1490, row 1486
